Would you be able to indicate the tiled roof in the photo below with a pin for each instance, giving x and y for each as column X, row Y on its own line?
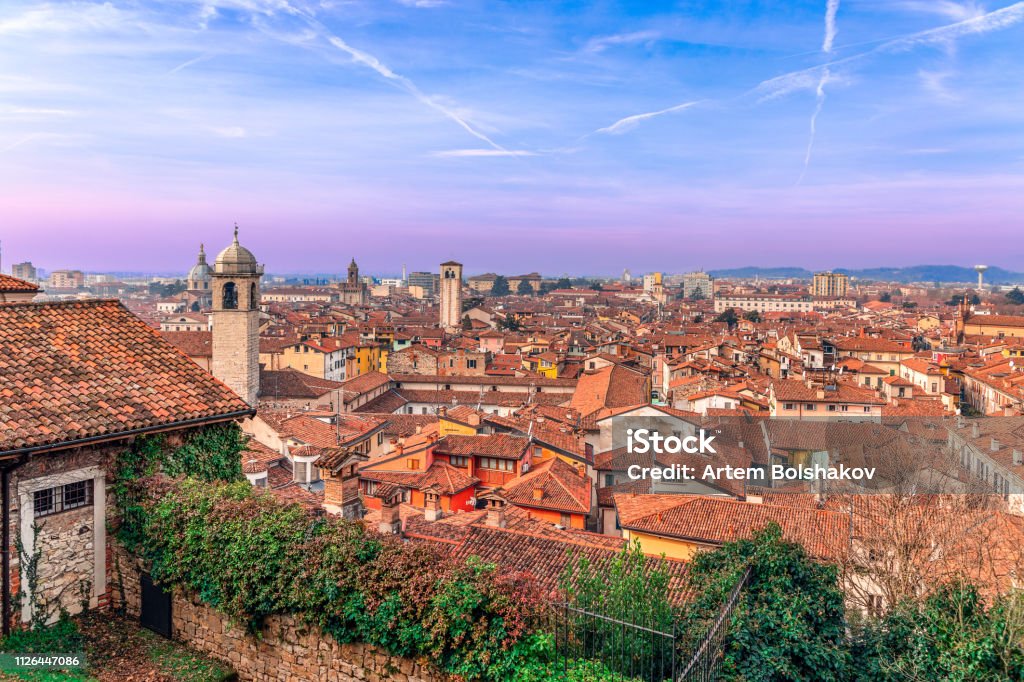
column 193, row 344
column 559, row 485
column 824, row 534
column 449, row 479
column 494, row 445
column 13, row 285
column 291, row 383
column 89, row 369
column 531, row 545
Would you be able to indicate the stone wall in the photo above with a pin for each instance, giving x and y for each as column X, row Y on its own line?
column 284, row 650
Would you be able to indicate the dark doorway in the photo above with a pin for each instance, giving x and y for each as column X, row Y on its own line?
column 156, row 607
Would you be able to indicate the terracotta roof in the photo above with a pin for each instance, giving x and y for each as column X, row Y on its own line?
column 291, row 383
column 528, row 544
column 13, row 285
column 192, row 344
column 447, row 478
column 91, row 369
column 495, row 445
column 552, row 484
column 711, row 520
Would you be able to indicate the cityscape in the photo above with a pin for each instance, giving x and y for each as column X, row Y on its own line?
column 450, row 341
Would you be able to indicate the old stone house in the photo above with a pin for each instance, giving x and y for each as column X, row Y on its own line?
column 80, row 381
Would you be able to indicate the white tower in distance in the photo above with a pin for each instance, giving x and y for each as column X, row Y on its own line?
column 980, row 269
column 451, row 295
column 236, row 320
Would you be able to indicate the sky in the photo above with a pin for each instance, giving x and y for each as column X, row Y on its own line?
column 560, row 137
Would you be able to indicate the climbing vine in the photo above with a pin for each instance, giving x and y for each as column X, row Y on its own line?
column 212, row 454
column 244, row 552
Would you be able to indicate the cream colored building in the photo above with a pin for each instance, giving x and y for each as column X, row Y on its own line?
column 236, row 298
column 830, row 284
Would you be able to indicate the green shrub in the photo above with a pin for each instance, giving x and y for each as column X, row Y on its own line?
column 249, row 555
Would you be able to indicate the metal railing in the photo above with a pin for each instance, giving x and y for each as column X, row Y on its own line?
column 706, row 662
column 631, row 650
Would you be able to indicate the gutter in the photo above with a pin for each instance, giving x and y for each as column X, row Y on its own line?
column 120, row 435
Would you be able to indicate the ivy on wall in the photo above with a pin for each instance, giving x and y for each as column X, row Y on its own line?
column 211, row 454
column 249, row 555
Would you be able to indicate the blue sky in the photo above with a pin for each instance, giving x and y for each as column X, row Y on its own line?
column 578, row 137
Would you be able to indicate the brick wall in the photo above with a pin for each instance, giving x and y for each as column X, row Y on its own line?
column 285, row 650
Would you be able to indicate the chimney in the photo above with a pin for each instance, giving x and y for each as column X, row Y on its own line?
column 975, row 430
column 474, row 419
column 495, row 509
column 740, row 445
column 538, row 493
column 755, row 499
column 995, row 445
column 390, row 521
column 432, row 506
column 399, row 449
column 443, row 411
column 1018, row 456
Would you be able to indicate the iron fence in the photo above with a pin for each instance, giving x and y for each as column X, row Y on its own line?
column 631, row 650
column 706, row 663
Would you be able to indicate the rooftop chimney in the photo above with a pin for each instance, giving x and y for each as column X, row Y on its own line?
column 495, row 509
column 1018, row 456
column 432, row 506
column 975, row 430
column 995, row 445
column 538, row 493
column 390, row 521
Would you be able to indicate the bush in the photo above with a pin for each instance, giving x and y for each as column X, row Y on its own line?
column 950, row 635
column 789, row 622
column 247, row 554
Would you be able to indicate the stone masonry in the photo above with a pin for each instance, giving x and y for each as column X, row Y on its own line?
column 285, row 650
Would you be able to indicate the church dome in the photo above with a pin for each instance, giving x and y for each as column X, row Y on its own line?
column 200, row 272
column 236, row 259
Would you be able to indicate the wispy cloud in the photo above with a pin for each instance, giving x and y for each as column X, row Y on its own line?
column 602, row 43
column 472, row 153
column 628, row 123
column 404, row 83
column 831, row 9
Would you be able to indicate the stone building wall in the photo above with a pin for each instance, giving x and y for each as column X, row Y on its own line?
column 285, row 650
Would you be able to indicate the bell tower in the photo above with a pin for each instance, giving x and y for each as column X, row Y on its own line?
column 451, row 295
column 236, row 342
column 353, row 273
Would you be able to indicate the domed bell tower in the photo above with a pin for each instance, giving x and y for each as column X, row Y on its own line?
column 236, row 333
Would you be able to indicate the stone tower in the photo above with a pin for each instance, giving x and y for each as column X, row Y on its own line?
column 353, row 272
column 236, row 334
column 451, row 295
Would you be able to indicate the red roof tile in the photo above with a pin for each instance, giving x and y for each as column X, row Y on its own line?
column 89, row 369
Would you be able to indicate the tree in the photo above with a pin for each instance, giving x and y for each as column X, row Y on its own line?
column 509, row 323
column 1015, row 296
column 789, row 621
column 596, row 286
column 467, row 324
column 886, row 297
column 697, row 295
column 563, row 283
column 500, row 287
column 729, row 317
column 752, row 316
column 950, row 635
column 524, row 288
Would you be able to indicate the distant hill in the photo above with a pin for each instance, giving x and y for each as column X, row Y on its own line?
column 916, row 273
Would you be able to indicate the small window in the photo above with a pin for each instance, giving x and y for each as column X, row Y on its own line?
column 459, row 461
column 810, row 407
column 62, row 498
column 789, row 406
